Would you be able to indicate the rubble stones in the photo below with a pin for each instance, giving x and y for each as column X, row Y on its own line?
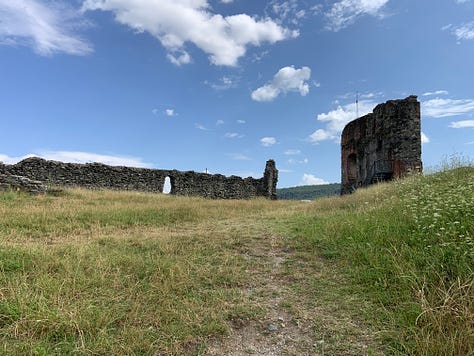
column 20, row 183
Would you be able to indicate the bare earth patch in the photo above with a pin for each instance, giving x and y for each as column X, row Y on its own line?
column 291, row 324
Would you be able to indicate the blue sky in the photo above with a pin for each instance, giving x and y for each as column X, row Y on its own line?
column 227, row 84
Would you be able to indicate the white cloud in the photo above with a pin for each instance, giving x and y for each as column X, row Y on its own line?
column 201, row 127
column 154, row 111
column 224, row 83
column 295, row 161
column 233, row 135
column 288, row 11
column 345, row 12
column 335, row 120
column 239, row 157
column 424, row 138
column 219, row 122
column 268, row 141
column 461, row 32
column 321, row 135
column 81, row 157
column 292, row 152
column 288, row 79
column 177, row 22
column 12, row 160
column 170, row 112
column 309, row 179
column 48, row 29
column 437, row 92
column 446, row 107
column 241, row 122
column 179, row 58
column 462, row 124
column 465, row 31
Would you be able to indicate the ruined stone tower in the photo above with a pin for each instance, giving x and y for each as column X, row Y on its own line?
column 382, row 145
column 270, row 179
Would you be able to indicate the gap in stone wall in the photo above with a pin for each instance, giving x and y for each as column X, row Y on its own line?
column 167, row 186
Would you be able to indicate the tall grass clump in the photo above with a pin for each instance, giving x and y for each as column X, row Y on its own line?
column 441, row 208
column 407, row 246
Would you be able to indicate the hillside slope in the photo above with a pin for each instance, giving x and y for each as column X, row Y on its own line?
column 309, row 192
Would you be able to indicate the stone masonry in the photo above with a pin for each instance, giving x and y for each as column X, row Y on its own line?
column 382, row 145
column 101, row 176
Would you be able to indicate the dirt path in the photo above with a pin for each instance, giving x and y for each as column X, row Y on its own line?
column 292, row 323
column 278, row 332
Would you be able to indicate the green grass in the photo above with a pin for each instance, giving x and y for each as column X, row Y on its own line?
column 407, row 246
column 99, row 272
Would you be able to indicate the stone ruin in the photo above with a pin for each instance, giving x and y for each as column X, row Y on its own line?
column 34, row 174
column 382, row 145
column 379, row 146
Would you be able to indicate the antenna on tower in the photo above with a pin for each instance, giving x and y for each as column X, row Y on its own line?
column 357, row 104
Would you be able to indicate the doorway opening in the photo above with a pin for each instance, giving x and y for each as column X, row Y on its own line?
column 167, row 186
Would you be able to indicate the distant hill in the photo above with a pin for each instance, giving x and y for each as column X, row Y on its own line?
column 309, row 192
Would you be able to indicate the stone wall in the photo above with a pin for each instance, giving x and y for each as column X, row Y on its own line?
column 382, row 145
column 101, row 176
column 17, row 183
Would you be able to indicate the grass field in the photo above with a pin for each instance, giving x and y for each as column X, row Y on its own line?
column 387, row 270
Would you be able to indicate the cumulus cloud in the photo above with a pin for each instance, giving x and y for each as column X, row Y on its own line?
column 268, row 141
column 177, row 22
column 446, row 107
column 335, row 120
column 178, row 58
column 321, row 135
column 241, row 122
column 462, row 124
column 309, row 179
column 424, row 138
column 81, row 157
column 48, row 29
column 170, row 112
column 288, row 79
column 345, row 12
column 292, row 152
